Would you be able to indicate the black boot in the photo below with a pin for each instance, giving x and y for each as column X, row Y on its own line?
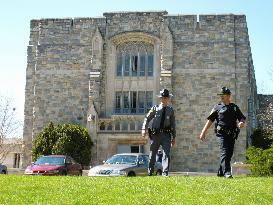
column 220, row 172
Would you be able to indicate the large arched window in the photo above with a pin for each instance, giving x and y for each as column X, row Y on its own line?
column 135, row 59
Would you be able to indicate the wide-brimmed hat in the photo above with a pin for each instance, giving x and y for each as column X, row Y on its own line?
column 164, row 93
column 224, row 91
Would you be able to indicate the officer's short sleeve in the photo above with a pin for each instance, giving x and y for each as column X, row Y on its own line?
column 148, row 117
column 240, row 115
column 213, row 114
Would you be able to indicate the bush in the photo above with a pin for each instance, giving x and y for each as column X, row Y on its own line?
column 66, row 139
column 261, row 160
column 262, row 138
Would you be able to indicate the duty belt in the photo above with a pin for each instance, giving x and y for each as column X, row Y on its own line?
column 224, row 130
column 227, row 131
column 160, row 130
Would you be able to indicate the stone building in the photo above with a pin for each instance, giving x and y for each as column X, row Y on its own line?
column 104, row 73
column 11, row 152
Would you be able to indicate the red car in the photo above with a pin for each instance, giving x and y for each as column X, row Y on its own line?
column 54, row 165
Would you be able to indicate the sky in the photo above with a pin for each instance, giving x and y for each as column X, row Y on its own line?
column 15, row 19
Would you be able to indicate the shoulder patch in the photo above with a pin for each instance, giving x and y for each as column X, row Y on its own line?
column 217, row 107
column 151, row 110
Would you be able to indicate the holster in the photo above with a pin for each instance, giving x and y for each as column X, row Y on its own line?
column 237, row 132
column 234, row 133
column 155, row 131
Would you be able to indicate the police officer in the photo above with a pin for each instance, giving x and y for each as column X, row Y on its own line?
column 162, row 131
column 229, row 119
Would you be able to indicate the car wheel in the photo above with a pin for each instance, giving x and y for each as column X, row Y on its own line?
column 158, row 172
column 4, row 172
column 80, row 173
column 131, row 174
column 64, row 173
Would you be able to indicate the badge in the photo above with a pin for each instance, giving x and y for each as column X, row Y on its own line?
column 168, row 117
column 223, row 109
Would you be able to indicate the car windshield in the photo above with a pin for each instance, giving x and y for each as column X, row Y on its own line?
column 122, row 159
column 50, row 161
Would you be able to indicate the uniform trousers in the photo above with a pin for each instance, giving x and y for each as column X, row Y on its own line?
column 163, row 139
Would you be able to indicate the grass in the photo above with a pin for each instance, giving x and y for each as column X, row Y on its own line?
column 136, row 190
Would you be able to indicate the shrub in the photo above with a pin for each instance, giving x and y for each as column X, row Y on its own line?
column 262, row 161
column 66, row 139
column 262, row 138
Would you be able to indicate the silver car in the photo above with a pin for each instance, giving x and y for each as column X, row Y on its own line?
column 127, row 164
column 3, row 169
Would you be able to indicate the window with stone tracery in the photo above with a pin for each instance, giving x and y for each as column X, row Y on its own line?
column 133, row 102
column 135, row 59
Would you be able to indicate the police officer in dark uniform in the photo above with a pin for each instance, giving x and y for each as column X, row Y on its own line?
column 162, row 131
column 229, row 119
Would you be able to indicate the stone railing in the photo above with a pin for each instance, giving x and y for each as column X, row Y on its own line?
column 121, row 123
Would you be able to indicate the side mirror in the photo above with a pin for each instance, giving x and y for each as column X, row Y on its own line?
column 140, row 162
column 103, row 161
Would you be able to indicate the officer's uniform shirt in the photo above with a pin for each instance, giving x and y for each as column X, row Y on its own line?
column 226, row 115
column 155, row 114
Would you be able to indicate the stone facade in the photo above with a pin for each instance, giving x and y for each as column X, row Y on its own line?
column 11, row 152
column 71, row 78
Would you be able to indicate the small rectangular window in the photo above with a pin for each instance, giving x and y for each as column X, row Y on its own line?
column 127, row 65
column 142, row 65
column 16, row 163
column 150, row 64
column 132, row 126
column 119, row 64
column 134, row 149
column 126, row 103
column 149, row 100
column 118, row 102
column 134, row 65
column 124, row 126
column 141, row 101
column 117, row 125
column 133, row 101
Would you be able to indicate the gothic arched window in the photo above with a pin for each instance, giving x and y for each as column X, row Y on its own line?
column 135, row 59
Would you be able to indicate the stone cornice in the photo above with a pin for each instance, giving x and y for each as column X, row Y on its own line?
column 133, row 37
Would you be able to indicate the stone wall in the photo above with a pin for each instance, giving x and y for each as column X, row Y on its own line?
column 70, row 76
column 57, row 84
column 208, row 55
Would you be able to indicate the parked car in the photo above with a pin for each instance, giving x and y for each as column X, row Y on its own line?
column 127, row 164
column 54, row 165
column 3, row 169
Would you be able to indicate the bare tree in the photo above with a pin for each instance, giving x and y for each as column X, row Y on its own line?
column 9, row 127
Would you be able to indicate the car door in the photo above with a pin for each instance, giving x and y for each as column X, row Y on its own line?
column 142, row 166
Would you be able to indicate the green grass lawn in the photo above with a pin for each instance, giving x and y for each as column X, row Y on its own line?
column 136, row 190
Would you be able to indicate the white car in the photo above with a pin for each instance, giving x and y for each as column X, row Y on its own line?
column 3, row 169
column 127, row 164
